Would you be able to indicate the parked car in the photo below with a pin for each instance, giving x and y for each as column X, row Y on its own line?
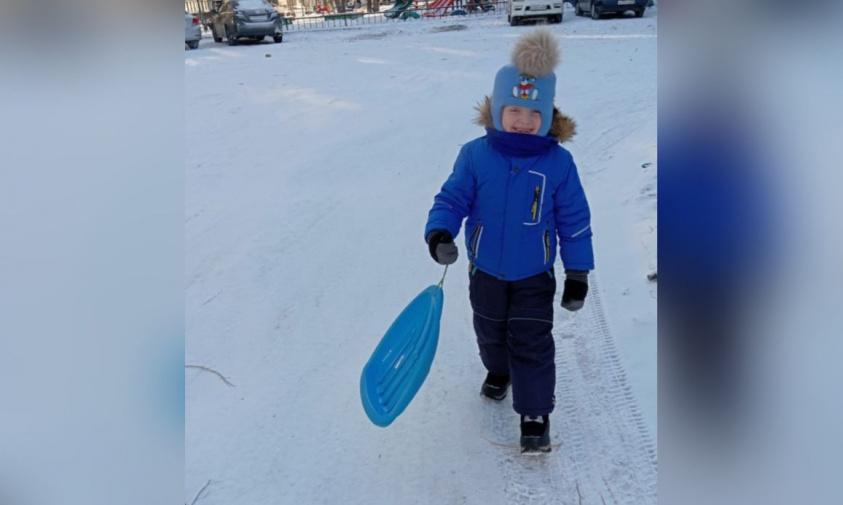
column 236, row 19
column 192, row 30
column 596, row 8
column 523, row 10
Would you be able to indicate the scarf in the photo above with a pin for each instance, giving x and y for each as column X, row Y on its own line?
column 518, row 144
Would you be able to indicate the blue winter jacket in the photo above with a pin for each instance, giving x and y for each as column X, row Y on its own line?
column 519, row 203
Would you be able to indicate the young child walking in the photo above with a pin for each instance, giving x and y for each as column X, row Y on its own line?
column 521, row 194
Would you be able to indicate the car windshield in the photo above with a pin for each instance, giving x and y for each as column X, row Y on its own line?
column 251, row 4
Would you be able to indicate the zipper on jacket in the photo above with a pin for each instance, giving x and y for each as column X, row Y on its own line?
column 472, row 237
column 535, row 207
column 546, row 246
column 474, row 240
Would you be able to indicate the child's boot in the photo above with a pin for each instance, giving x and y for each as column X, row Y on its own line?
column 495, row 386
column 535, row 434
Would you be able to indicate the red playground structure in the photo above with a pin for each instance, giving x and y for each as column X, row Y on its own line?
column 438, row 8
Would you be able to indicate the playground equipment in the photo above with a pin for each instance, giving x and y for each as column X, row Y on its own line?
column 438, row 8
column 399, row 7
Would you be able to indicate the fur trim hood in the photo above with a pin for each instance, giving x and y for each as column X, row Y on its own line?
column 563, row 128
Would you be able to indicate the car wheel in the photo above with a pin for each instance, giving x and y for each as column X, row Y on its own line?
column 193, row 44
column 595, row 14
column 278, row 38
column 578, row 11
column 639, row 14
column 558, row 18
column 232, row 41
column 513, row 22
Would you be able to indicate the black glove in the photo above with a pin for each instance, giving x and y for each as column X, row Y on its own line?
column 442, row 247
column 576, row 287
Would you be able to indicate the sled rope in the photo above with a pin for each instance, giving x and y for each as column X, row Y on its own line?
column 556, row 445
column 441, row 282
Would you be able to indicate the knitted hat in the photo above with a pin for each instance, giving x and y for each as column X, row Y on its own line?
column 529, row 81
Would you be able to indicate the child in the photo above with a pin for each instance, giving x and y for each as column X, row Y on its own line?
column 519, row 190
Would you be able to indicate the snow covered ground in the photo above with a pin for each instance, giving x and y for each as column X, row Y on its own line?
column 311, row 166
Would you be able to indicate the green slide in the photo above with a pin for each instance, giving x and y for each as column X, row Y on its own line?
column 399, row 7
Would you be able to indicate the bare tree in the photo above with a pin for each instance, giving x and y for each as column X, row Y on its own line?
column 373, row 5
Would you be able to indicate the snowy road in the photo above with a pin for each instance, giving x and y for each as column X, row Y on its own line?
column 605, row 453
column 311, row 166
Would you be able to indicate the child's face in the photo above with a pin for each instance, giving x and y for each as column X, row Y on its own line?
column 521, row 120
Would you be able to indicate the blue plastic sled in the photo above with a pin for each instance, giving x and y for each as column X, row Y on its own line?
column 401, row 362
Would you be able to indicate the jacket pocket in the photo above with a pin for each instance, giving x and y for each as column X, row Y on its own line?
column 474, row 240
column 538, row 182
column 546, row 245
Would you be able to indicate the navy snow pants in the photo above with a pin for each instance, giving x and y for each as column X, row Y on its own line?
column 513, row 323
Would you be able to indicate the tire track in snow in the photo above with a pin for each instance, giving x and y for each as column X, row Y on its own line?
column 606, row 456
column 610, row 446
column 599, row 151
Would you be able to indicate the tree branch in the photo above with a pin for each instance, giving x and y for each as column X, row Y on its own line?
column 199, row 494
column 211, row 370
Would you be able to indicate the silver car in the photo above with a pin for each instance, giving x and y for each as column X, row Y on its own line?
column 192, row 30
column 236, row 19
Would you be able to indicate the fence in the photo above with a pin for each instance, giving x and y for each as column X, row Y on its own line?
column 198, row 6
column 357, row 18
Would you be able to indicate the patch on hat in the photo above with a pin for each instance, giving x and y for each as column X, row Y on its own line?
column 525, row 89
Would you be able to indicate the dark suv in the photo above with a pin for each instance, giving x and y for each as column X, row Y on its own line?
column 596, row 8
column 236, row 19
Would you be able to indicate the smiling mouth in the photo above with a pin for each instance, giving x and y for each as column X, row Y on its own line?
column 522, row 130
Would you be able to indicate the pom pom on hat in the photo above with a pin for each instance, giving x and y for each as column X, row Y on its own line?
column 536, row 53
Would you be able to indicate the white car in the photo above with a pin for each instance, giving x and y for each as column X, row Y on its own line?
column 192, row 30
column 523, row 10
